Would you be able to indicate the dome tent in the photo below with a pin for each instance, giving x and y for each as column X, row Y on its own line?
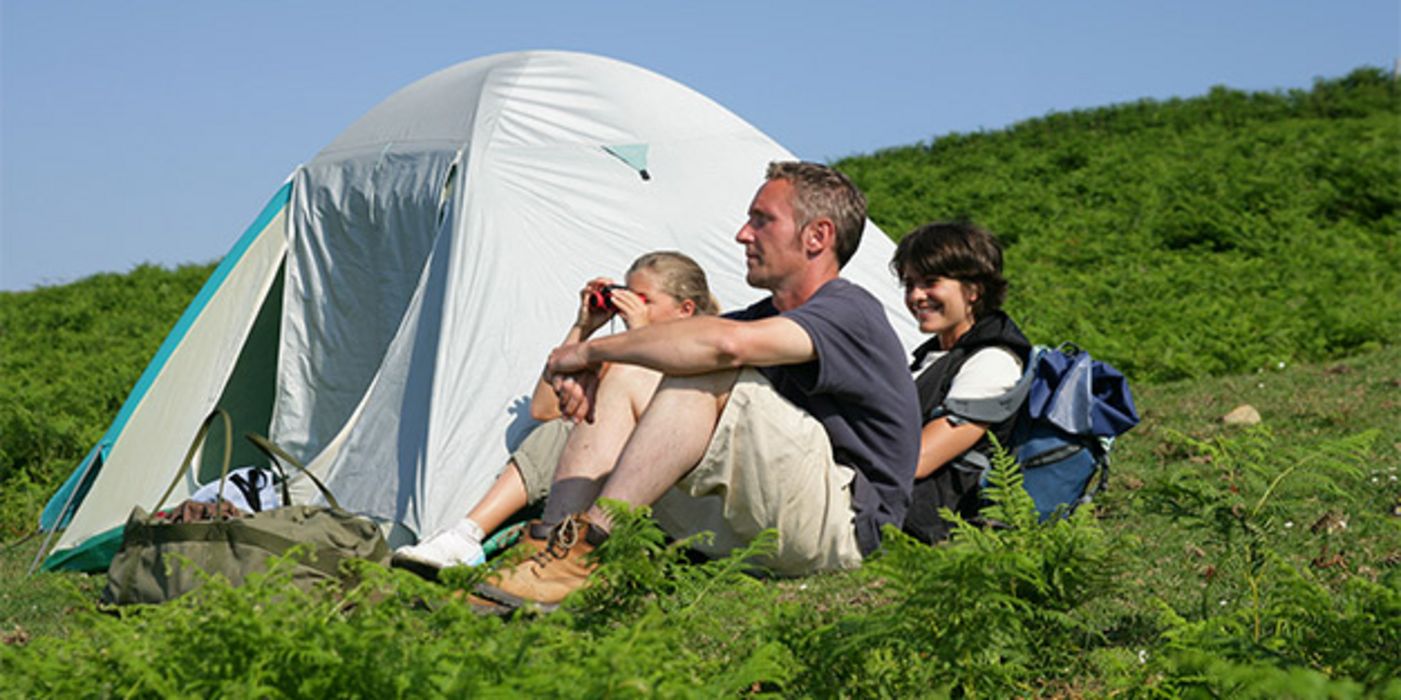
column 387, row 314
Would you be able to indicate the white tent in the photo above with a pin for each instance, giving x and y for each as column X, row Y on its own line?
column 386, row 316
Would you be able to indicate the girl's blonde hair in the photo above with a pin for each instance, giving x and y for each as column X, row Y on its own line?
column 679, row 276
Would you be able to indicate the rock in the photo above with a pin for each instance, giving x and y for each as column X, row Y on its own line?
column 1244, row 414
column 18, row 637
column 1329, row 523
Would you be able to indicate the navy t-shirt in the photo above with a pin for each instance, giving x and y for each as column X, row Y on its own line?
column 861, row 391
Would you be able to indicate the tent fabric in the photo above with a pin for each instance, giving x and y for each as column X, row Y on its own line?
column 432, row 255
column 72, row 490
column 182, row 383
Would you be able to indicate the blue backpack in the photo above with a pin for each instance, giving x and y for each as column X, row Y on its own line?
column 1069, row 409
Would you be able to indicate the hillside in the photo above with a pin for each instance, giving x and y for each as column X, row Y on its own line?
column 69, row 355
column 1225, row 249
column 1184, row 238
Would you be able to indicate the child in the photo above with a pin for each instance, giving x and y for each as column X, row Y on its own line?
column 661, row 286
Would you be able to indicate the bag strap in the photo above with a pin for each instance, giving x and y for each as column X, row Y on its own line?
column 995, row 409
column 279, row 475
column 188, row 463
column 276, row 453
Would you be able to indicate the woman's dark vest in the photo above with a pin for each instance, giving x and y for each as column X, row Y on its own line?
column 951, row 486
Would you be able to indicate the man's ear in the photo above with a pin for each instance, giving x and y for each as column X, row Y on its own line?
column 820, row 234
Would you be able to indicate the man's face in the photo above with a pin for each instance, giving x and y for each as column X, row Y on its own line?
column 773, row 249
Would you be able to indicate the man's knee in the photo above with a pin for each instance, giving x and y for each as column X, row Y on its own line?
column 717, row 384
column 628, row 378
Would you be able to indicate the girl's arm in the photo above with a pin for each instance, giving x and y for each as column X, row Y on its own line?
column 544, row 403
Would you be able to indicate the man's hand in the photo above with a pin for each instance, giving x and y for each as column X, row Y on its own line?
column 574, row 379
column 576, row 395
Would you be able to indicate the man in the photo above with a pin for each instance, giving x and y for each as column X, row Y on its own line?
column 797, row 413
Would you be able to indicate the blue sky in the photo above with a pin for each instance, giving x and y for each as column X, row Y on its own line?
column 155, row 130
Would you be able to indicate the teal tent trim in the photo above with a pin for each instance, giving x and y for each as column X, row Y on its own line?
column 94, row 555
column 77, row 482
column 634, row 154
column 60, row 508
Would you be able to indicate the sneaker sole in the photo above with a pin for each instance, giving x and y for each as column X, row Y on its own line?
column 421, row 569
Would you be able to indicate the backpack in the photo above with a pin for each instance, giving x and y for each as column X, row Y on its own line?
column 1069, row 409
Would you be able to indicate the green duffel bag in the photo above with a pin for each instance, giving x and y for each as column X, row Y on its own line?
column 160, row 560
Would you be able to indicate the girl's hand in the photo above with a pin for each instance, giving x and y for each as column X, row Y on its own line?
column 590, row 318
column 631, row 307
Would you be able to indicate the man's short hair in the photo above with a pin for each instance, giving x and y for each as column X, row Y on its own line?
column 820, row 191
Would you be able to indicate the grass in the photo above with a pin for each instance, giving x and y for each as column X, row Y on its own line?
column 43, row 604
column 1303, row 406
column 1162, row 564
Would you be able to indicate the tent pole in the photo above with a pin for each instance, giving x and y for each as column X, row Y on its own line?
column 39, row 555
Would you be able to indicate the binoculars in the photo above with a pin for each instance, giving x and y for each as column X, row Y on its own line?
column 601, row 299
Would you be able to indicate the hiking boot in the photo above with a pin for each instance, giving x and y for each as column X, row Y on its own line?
column 556, row 568
column 445, row 549
column 482, row 606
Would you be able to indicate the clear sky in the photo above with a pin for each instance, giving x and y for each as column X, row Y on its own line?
column 155, row 130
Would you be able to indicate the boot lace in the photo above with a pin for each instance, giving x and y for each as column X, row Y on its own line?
column 562, row 538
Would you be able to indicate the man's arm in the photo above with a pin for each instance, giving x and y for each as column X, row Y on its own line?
column 692, row 346
column 544, row 403
column 687, row 346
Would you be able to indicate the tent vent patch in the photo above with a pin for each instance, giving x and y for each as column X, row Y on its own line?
column 634, row 154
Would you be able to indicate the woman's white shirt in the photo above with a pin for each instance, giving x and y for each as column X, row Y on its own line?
column 991, row 371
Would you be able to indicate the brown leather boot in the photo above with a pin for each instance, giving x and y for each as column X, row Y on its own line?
column 556, row 568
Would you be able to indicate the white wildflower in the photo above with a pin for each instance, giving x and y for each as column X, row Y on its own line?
column 1288, row 524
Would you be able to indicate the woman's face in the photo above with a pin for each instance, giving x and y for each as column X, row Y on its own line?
column 660, row 305
column 941, row 305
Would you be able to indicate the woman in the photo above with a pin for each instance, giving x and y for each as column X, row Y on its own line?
column 952, row 275
column 660, row 286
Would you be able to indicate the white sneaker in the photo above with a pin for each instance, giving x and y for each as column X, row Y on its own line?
column 445, row 549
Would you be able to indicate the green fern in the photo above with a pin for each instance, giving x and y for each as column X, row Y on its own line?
column 986, row 614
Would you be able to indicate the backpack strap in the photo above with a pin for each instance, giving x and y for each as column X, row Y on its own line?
column 1105, row 445
column 991, row 410
column 972, row 461
column 994, row 409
